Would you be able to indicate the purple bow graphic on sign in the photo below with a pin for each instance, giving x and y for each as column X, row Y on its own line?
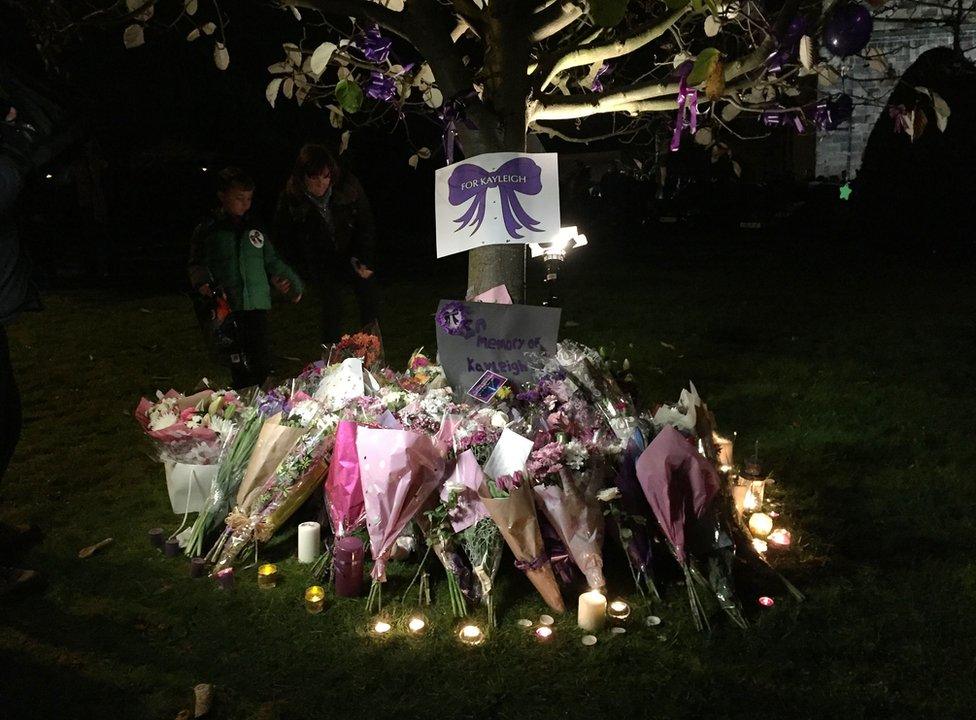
column 517, row 176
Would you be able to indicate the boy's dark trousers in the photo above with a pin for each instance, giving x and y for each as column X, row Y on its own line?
column 367, row 297
column 253, row 342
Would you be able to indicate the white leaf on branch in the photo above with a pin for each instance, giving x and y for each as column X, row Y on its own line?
column 344, row 73
column 736, row 168
column 295, row 12
column 191, row 7
column 288, row 88
column 193, row 35
column 293, row 53
column 145, row 14
column 301, row 94
column 344, row 142
column 413, row 160
column 730, row 112
column 335, row 116
column 681, row 57
column 704, row 136
column 828, row 74
column 271, row 92
column 321, row 57
column 941, row 107
column 807, row 58
column 424, row 77
column 209, row 28
column 394, row 5
column 133, row 37
column 434, row 98
column 221, row 56
column 712, row 26
column 279, row 67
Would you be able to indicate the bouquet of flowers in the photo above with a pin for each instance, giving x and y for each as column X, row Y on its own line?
column 189, row 429
column 367, row 345
column 343, row 485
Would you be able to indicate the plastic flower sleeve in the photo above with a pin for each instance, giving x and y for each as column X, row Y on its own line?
column 343, row 487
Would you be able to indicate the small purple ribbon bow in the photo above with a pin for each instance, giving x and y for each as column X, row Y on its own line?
column 374, row 46
column 451, row 113
column 687, row 106
column 519, row 176
column 781, row 118
column 380, row 87
column 535, row 563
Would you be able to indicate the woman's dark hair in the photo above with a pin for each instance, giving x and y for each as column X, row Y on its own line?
column 313, row 159
column 234, row 177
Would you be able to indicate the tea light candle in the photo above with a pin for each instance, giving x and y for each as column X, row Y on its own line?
column 171, row 548
column 315, row 599
column 780, row 537
column 225, row 578
column 197, row 567
column 766, row 601
column 381, row 627
column 417, row 625
column 471, row 635
column 592, row 611
column 760, row 524
column 309, row 541
column 759, row 545
column 543, row 633
column 267, row 576
column 157, row 537
column 618, row 611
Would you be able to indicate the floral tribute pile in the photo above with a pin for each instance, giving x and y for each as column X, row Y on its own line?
column 554, row 474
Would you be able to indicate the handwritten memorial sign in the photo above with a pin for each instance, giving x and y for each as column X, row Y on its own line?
column 496, row 198
column 473, row 338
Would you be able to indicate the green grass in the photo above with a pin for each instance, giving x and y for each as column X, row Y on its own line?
column 856, row 378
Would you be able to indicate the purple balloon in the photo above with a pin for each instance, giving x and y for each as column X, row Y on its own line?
column 848, row 29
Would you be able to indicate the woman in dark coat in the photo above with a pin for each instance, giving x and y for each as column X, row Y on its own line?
column 324, row 228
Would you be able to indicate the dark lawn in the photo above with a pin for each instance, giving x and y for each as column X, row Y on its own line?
column 856, row 376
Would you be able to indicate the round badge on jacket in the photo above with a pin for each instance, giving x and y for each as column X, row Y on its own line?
column 256, row 238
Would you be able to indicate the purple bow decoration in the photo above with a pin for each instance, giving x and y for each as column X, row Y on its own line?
column 374, row 46
column 535, row 563
column 687, row 106
column 519, row 176
column 451, row 114
column 789, row 44
column 453, row 318
column 380, row 87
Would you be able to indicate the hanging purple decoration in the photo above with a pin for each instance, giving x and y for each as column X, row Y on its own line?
column 833, row 110
column 380, row 87
column 687, row 108
column 451, row 113
column 605, row 71
column 373, row 45
column 848, row 28
column 788, row 46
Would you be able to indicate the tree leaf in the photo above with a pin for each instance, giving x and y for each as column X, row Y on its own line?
column 209, row 28
column 344, row 73
column 295, row 13
column 193, row 35
column 349, row 95
column 336, row 117
column 712, row 26
column 730, row 112
column 301, row 94
column 433, row 97
column 607, row 13
column 191, row 7
column 919, row 122
column 413, row 160
column 715, row 85
column 293, row 53
column 147, row 11
column 344, row 142
column 288, row 88
column 133, row 37
column 704, row 64
column 271, row 92
column 320, row 58
column 221, row 56
column 807, row 55
column 279, row 67
column 394, row 5
column 876, row 60
column 704, row 136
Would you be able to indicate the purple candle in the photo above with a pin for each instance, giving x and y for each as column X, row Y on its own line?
column 349, row 567
column 172, row 548
column 225, row 578
column 157, row 537
column 198, row 567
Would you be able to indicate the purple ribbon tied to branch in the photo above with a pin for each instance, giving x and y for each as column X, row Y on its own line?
column 452, row 113
column 380, row 87
column 519, row 176
column 788, row 45
column 373, row 45
column 605, row 71
column 781, row 118
column 687, row 108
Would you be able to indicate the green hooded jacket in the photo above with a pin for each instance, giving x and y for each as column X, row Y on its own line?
column 239, row 258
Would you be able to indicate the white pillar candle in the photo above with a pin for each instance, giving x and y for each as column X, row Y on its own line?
column 592, row 613
column 309, row 541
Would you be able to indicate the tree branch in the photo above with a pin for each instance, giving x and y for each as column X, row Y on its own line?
column 589, row 54
column 470, row 12
column 396, row 22
column 554, row 18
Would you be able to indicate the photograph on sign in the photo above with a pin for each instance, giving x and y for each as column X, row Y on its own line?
column 496, row 198
column 473, row 338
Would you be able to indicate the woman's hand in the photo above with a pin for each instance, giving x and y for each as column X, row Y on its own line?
column 364, row 272
column 284, row 287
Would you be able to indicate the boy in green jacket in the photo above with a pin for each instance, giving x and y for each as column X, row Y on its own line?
column 232, row 251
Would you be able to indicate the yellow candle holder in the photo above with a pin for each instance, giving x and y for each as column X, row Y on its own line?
column 315, row 599
column 267, row 576
column 471, row 634
column 618, row 611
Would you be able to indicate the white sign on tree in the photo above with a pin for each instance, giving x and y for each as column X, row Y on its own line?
column 496, row 198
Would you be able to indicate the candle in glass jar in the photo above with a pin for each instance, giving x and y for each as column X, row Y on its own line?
column 592, row 611
column 618, row 611
column 348, row 564
column 197, row 567
column 157, row 536
column 417, row 625
column 171, row 548
column 471, row 635
column 543, row 633
column 309, row 541
column 267, row 576
column 315, row 599
column 760, row 524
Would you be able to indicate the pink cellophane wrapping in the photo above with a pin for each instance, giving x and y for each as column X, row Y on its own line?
column 343, row 487
column 468, row 476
